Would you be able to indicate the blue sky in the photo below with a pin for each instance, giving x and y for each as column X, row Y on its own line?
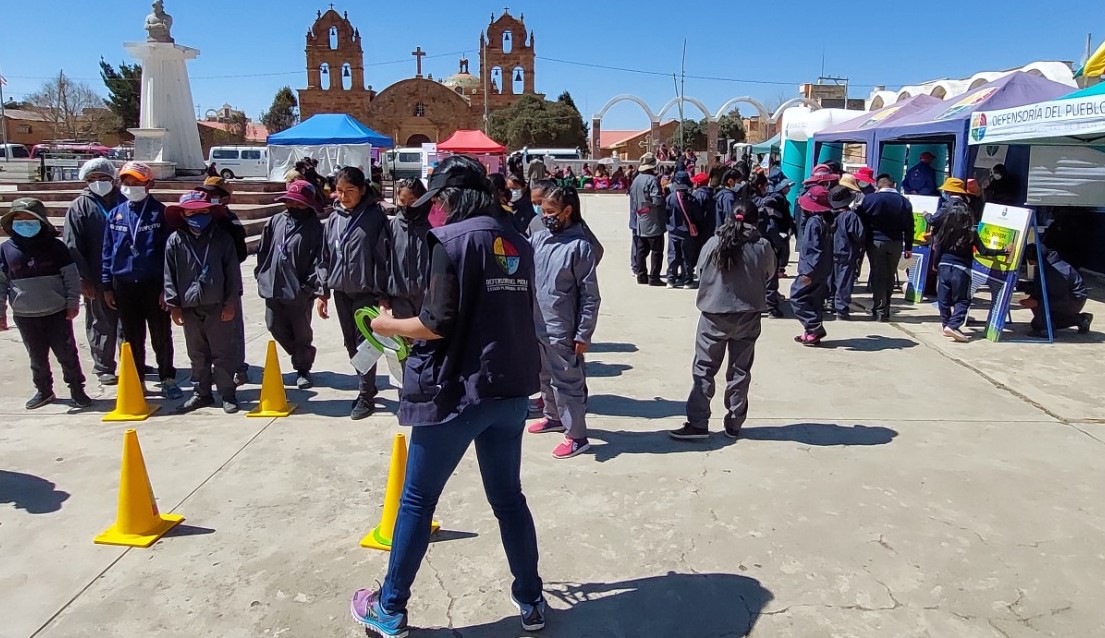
column 250, row 48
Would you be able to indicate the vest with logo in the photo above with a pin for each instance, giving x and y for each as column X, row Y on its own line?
column 492, row 351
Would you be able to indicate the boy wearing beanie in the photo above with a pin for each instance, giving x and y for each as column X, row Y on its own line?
column 40, row 281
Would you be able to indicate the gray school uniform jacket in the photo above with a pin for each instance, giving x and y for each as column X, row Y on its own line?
column 742, row 288
column 83, row 233
column 356, row 252
column 287, row 258
column 567, row 287
column 647, row 213
column 201, row 271
column 408, row 275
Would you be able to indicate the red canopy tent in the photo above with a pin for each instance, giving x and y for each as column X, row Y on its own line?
column 473, row 142
column 476, row 143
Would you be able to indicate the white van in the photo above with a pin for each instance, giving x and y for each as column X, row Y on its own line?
column 240, row 161
column 549, row 154
column 403, row 163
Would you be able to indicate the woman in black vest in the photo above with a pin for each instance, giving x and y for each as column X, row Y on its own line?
column 470, row 373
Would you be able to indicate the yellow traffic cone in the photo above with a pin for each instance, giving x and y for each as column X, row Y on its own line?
column 274, row 402
column 130, row 402
column 138, row 523
column 380, row 537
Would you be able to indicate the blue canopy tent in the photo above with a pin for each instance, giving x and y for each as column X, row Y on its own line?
column 943, row 128
column 331, row 138
column 829, row 144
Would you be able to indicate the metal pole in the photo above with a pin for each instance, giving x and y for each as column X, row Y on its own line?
column 4, row 124
column 486, row 92
column 1084, row 81
column 682, row 90
column 678, row 95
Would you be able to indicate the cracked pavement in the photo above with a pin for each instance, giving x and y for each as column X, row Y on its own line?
column 888, row 484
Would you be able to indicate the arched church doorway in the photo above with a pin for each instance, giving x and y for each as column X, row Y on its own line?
column 418, row 140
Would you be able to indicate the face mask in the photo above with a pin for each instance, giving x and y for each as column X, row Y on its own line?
column 553, row 224
column 199, row 221
column 133, row 193
column 101, row 188
column 26, row 227
column 300, row 213
column 515, row 195
column 414, row 212
column 996, row 176
column 437, row 216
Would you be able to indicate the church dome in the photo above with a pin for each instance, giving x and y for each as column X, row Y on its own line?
column 462, row 82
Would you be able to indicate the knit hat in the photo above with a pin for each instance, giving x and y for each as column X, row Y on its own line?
column 32, row 207
column 97, row 166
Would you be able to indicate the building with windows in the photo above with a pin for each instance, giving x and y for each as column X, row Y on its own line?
column 419, row 109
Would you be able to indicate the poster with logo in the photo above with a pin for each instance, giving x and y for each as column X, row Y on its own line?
column 924, row 206
column 1003, row 227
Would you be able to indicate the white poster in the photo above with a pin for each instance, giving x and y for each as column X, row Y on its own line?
column 1082, row 117
column 990, row 155
column 1066, row 176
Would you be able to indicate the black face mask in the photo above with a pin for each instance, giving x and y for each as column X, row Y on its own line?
column 412, row 213
column 301, row 213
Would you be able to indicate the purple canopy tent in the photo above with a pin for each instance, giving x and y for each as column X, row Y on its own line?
column 949, row 122
column 861, row 130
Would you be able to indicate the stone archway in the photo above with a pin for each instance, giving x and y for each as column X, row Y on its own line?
column 596, row 121
column 417, row 140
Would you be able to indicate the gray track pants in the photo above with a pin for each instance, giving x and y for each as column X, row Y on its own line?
column 720, row 335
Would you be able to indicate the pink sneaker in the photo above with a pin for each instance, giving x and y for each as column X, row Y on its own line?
column 571, row 447
column 546, row 425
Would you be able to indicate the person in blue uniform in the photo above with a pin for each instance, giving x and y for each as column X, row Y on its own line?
column 777, row 226
column 472, row 367
column 848, row 243
column 815, row 264
column 1066, row 294
column 684, row 219
column 921, row 179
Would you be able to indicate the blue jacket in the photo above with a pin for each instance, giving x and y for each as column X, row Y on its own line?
column 920, row 180
column 724, row 203
column 134, row 243
column 705, row 198
column 888, row 216
column 491, row 351
column 815, row 259
column 678, row 222
column 848, row 239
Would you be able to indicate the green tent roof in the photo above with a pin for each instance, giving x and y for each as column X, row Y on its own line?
column 1097, row 89
column 766, row 146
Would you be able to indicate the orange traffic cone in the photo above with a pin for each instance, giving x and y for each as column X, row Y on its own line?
column 380, row 537
column 274, row 402
column 138, row 523
column 130, row 402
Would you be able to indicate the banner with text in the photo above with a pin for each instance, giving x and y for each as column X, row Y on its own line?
column 1044, row 120
column 1002, row 227
column 924, row 207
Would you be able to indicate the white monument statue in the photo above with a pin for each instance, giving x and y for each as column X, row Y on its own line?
column 167, row 137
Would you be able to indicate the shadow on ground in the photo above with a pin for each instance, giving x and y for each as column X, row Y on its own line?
column 870, row 343
column 600, row 348
column 670, row 605
column 614, row 443
column 597, row 369
column 33, row 494
column 655, row 408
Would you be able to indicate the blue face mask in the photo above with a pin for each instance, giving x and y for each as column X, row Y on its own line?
column 26, row 227
column 199, row 221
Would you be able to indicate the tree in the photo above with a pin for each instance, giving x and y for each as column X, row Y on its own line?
column 69, row 106
column 532, row 121
column 732, row 126
column 238, row 126
column 694, row 135
column 124, row 88
column 284, row 112
column 566, row 99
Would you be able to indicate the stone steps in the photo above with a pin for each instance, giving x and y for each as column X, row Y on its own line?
column 166, row 196
column 239, row 186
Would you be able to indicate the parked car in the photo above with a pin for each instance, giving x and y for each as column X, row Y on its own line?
column 240, row 161
column 14, row 151
column 69, row 149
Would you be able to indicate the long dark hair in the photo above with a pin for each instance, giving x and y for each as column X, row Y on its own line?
column 567, row 196
column 414, row 185
column 463, row 203
column 356, row 178
column 957, row 228
column 738, row 230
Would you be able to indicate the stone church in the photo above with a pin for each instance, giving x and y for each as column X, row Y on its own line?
column 419, row 109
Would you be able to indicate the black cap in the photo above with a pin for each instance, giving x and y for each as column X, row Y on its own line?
column 455, row 174
column 840, row 197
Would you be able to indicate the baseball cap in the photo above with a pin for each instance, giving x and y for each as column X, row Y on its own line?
column 216, row 185
column 137, row 170
column 700, row 179
column 300, row 191
column 455, row 174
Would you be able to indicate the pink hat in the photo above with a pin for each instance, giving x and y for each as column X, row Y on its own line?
column 821, row 174
column 816, row 200
column 302, row 192
column 192, row 200
column 865, row 174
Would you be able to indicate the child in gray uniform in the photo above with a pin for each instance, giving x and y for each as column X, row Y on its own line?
column 408, row 276
column 567, row 292
column 734, row 268
column 202, row 283
column 286, row 272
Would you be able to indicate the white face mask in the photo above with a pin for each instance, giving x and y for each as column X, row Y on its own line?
column 133, row 193
column 101, row 188
column 515, row 195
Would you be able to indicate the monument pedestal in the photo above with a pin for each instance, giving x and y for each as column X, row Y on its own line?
column 149, row 148
column 167, row 132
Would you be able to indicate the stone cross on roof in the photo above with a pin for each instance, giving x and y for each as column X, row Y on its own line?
column 418, row 53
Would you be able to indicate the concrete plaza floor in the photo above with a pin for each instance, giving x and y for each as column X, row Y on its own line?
column 887, row 484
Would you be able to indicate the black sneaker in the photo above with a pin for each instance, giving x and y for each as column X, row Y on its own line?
column 776, row 313
column 363, row 408
column 732, row 432
column 658, row 283
column 1084, row 324
column 240, row 379
column 303, row 380
column 80, row 398
column 533, row 616
column 642, row 279
column 692, row 285
column 106, row 378
column 230, row 405
column 149, row 371
column 689, row 433
column 196, row 402
column 40, row 399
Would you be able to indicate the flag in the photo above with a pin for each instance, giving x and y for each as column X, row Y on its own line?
column 1095, row 66
column 3, row 81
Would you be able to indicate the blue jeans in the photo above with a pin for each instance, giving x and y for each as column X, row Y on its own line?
column 496, row 426
column 953, row 295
